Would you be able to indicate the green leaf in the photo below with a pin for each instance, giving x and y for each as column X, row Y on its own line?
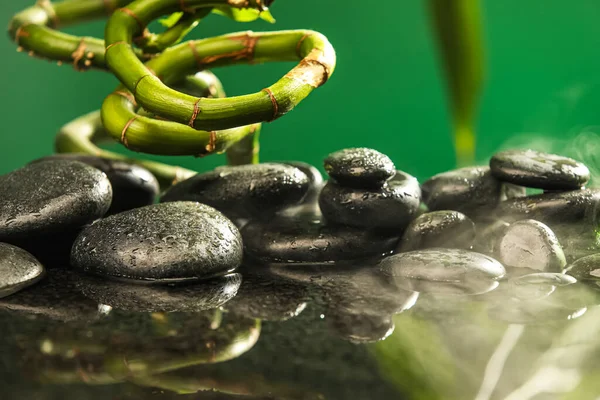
column 244, row 14
column 171, row 20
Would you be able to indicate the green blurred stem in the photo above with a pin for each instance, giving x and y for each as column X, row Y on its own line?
column 316, row 55
column 457, row 25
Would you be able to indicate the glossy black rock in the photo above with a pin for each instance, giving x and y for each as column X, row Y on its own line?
column 170, row 242
column 307, row 238
column 133, row 186
column 586, row 268
column 539, row 170
column 531, row 244
column 390, row 207
column 450, row 229
column 359, row 167
column 245, row 191
column 315, row 179
column 469, row 190
column 51, row 196
column 435, row 269
column 18, row 269
column 132, row 296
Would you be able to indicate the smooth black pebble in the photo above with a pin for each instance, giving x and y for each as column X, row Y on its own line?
column 535, row 169
column 586, row 268
column 389, row 208
column 245, row 191
column 162, row 242
column 359, row 167
column 450, row 229
column 18, row 269
column 133, row 186
column 307, row 238
column 531, row 244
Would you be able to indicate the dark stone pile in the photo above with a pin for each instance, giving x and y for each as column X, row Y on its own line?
column 460, row 232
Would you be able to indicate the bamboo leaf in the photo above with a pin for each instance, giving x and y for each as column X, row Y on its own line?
column 244, row 14
column 171, row 20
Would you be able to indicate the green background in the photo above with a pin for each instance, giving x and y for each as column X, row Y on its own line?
column 542, row 85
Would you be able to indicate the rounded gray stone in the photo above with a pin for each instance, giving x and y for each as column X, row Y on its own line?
column 450, row 229
column 538, row 285
column 390, row 207
column 536, row 169
column 531, row 244
column 359, row 167
column 133, row 186
column 245, row 191
column 586, row 268
column 162, row 242
column 18, row 269
column 51, row 197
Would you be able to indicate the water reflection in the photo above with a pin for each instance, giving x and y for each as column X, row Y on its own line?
column 336, row 331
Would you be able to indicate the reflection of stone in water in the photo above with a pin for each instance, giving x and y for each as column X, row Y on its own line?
column 144, row 297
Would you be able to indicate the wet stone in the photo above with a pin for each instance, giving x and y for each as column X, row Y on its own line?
column 469, row 190
column 307, row 238
column 538, row 285
column 450, row 229
column 18, row 269
column 133, row 186
column 359, row 167
column 446, row 271
column 132, row 296
column 166, row 242
column 535, row 169
column 488, row 233
column 246, row 191
column 586, row 268
column 531, row 244
column 388, row 208
column 50, row 197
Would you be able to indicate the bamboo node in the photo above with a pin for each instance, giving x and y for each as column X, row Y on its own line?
column 195, row 113
column 274, row 102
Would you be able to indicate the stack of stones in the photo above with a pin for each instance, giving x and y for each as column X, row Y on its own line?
column 465, row 228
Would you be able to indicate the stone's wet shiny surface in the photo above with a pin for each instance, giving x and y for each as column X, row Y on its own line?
column 470, row 190
column 143, row 297
column 538, row 285
column 585, row 268
column 51, row 197
column 450, row 229
column 388, row 208
column 535, row 169
column 531, row 244
column 245, row 191
column 305, row 237
column 162, row 242
column 315, row 179
column 359, row 168
column 18, row 269
column 133, row 186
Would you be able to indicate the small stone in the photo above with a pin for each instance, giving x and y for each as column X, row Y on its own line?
column 315, row 180
column 51, row 197
column 133, row 296
column 535, row 169
column 359, row 167
column 538, row 285
column 133, row 186
column 390, row 207
column 307, row 238
column 531, row 244
column 586, row 268
column 470, row 190
column 245, row 191
column 18, row 269
column 449, row 271
column 167, row 242
column 450, row 229
column 488, row 233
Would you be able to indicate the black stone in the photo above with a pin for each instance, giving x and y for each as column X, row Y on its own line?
column 390, row 207
column 245, row 191
column 531, row 244
column 586, row 268
column 470, row 190
column 162, row 242
column 359, row 167
column 139, row 297
column 315, row 180
column 133, row 186
column 488, row 232
column 50, row 197
column 450, row 229
column 18, row 269
column 535, row 169
column 437, row 270
column 538, row 285
column 307, row 238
